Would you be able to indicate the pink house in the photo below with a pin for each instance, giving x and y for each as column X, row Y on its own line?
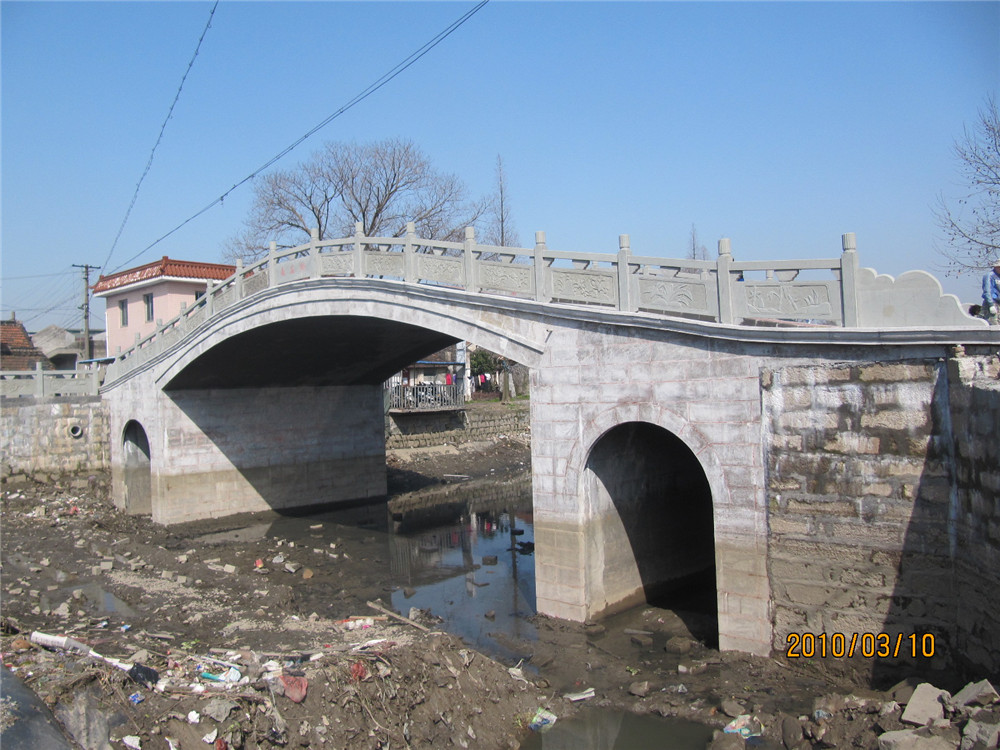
column 139, row 297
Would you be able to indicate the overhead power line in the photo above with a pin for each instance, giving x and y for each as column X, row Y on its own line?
column 163, row 127
column 386, row 78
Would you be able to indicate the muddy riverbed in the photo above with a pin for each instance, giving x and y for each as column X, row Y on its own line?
column 279, row 631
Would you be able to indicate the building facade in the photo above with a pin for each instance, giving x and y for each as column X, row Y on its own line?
column 138, row 299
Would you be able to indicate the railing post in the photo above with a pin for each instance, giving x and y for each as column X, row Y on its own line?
column 210, row 300
column 470, row 261
column 314, row 253
column 848, row 279
column 409, row 260
column 39, row 380
column 237, row 281
column 272, row 276
column 724, row 281
column 541, row 288
column 624, row 274
column 359, row 252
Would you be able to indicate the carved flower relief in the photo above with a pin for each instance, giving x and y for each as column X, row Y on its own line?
column 380, row 264
column 505, row 277
column 337, row 263
column 584, row 287
column 671, row 295
column 447, row 271
column 785, row 300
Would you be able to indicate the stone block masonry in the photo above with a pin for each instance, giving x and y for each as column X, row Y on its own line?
column 882, row 492
column 49, row 437
column 476, row 423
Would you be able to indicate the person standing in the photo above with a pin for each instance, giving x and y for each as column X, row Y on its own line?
column 991, row 294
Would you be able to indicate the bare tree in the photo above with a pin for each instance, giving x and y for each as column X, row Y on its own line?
column 500, row 228
column 972, row 228
column 696, row 250
column 383, row 185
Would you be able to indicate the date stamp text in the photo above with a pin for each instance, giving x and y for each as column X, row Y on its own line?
column 868, row 645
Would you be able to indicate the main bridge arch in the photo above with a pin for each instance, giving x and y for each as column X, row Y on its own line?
column 276, row 401
column 315, row 333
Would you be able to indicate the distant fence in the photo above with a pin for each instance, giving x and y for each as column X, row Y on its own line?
column 41, row 383
column 424, row 397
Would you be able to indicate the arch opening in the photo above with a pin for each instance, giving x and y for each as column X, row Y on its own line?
column 658, row 543
column 137, row 470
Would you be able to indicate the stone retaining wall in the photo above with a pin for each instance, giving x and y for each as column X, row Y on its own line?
column 884, row 514
column 480, row 422
column 46, row 438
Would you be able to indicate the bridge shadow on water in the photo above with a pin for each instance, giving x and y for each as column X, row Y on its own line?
column 942, row 613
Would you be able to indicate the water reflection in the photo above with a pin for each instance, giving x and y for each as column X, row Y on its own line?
column 476, row 572
column 462, row 551
column 596, row 729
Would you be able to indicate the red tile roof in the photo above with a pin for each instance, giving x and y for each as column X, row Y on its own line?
column 17, row 353
column 184, row 269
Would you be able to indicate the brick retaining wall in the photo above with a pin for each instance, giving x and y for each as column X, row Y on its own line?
column 476, row 423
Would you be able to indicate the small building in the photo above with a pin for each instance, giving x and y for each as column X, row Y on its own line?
column 138, row 298
column 67, row 348
column 17, row 353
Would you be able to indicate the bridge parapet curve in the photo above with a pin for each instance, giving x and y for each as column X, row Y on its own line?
column 829, row 293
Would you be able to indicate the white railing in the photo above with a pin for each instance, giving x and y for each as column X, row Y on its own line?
column 43, row 383
column 723, row 290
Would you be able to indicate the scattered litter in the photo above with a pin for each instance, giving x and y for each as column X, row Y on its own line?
column 542, row 721
column 193, row 717
column 136, row 698
column 209, row 739
column 744, row 726
column 581, row 696
column 295, row 687
column 130, row 740
column 516, row 672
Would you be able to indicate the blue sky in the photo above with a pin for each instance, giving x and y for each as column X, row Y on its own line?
column 779, row 125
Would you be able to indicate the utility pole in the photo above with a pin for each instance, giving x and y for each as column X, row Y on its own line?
column 88, row 351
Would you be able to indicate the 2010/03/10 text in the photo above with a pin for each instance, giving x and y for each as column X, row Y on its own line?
column 868, row 645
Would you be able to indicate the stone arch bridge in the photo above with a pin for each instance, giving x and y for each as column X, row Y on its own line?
column 720, row 425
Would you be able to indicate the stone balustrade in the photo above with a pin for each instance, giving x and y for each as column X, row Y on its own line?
column 832, row 292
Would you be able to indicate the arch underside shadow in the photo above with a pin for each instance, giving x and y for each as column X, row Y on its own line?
column 312, row 351
column 657, row 527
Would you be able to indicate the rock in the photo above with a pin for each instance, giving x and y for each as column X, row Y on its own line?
column 924, row 705
column 980, row 693
column 924, row 738
column 731, row 708
column 230, row 568
column 678, row 645
column 901, row 691
column 982, row 729
column 640, row 689
column 791, row 732
column 292, row 567
column 643, row 641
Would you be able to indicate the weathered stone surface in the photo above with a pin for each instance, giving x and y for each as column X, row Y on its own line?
column 982, row 730
column 980, row 693
column 924, row 738
column 925, row 705
column 731, row 708
column 640, row 688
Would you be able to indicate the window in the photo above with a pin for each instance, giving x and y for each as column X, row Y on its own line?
column 148, row 301
column 123, row 312
column 198, row 296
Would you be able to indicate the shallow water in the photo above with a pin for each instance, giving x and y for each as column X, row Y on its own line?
column 436, row 542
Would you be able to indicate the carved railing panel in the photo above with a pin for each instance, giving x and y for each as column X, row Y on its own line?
column 440, row 270
column 506, row 277
column 589, row 287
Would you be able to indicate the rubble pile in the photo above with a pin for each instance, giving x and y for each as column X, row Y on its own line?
column 377, row 685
